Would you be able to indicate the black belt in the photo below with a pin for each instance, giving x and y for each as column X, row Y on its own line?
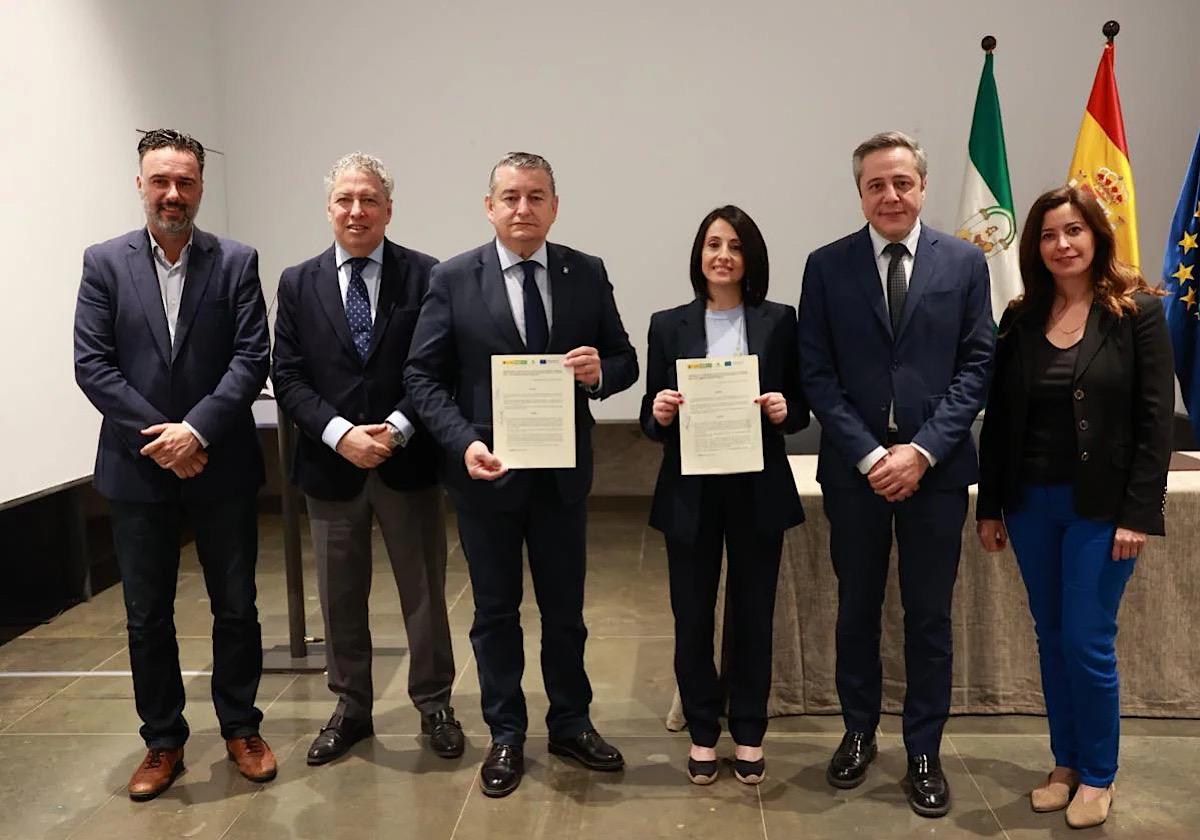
column 893, row 437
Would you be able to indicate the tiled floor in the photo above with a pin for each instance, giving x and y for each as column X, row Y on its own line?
column 68, row 744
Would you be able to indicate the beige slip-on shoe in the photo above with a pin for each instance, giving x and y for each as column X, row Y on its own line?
column 1052, row 795
column 1082, row 814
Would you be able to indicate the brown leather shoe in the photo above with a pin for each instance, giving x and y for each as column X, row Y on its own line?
column 156, row 772
column 254, row 758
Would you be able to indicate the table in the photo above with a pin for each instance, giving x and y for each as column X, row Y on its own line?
column 995, row 651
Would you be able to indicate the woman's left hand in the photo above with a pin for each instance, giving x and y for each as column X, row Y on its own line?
column 1127, row 544
column 774, row 406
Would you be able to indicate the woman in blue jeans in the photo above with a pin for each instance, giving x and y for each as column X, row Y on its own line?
column 1073, row 467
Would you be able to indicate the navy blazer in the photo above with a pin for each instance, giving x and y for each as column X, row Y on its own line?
column 771, row 335
column 1123, row 396
column 465, row 320
column 318, row 373
column 128, row 368
column 935, row 369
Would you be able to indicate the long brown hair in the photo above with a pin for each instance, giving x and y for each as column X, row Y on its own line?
column 1113, row 282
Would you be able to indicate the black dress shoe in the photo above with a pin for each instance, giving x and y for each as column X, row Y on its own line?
column 337, row 736
column 926, row 786
column 445, row 733
column 848, row 767
column 590, row 750
column 502, row 770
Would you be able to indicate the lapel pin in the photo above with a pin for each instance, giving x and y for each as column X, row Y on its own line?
column 566, row 270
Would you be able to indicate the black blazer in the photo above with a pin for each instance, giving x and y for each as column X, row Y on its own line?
column 128, row 368
column 319, row 375
column 1124, row 400
column 771, row 335
column 465, row 320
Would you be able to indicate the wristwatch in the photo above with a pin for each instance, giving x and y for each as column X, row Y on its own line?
column 399, row 439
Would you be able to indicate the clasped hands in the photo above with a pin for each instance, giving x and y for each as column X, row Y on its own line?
column 897, row 475
column 667, row 402
column 175, row 448
column 366, row 447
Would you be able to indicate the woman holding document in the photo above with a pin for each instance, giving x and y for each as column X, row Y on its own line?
column 746, row 512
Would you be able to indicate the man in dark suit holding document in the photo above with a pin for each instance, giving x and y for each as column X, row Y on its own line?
column 514, row 295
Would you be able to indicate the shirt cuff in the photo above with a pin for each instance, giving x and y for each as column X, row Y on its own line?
column 871, row 459
column 402, row 423
column 594, row 389
column 335, row 429
column 928, row 455
column 199, row 437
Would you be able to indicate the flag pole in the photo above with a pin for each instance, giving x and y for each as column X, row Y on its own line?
column 988, row 43
column 1110, row 30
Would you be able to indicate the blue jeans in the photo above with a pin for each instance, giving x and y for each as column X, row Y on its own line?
column 1075, row 590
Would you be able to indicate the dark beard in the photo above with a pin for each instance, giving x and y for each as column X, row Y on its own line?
column 174, row 227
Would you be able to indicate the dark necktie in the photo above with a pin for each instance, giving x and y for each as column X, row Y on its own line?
column 537, row 333
column 896, row 287
column 358, row 307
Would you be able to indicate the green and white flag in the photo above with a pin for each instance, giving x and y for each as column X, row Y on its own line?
column 985, row 211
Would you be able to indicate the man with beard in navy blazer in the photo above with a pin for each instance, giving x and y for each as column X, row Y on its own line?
column 342, row 334
column 896, row 341
column 520, row 294
column 171, row 347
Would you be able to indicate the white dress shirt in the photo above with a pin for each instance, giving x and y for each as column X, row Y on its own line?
column 336, row 428
column 170, row 286
column 882, row 262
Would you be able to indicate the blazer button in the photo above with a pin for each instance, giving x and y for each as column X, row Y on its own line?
column 1078, row 395
column 1083, row 456
column 1083, row 424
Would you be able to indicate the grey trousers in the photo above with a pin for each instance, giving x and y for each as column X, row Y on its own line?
column 414, row 531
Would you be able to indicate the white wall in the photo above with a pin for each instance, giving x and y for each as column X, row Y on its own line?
column 653, row 113
column 79, row 77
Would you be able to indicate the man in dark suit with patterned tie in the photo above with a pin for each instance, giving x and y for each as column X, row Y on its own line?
column 171, row 346
column 342, row 334
column 521, row 294
column 895, row 345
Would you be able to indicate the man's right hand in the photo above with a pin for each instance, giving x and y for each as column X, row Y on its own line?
column 191, row 466
column 666, row 406
column 481, row 463
column 360, row 447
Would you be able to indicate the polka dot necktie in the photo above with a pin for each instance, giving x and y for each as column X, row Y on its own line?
column 358, row 307
column 897, row 289
column 537, row 331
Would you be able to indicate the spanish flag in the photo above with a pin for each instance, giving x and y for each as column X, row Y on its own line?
column 1101, row 161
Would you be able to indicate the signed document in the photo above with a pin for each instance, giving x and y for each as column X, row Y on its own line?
column 720, row 425
column 533, row 412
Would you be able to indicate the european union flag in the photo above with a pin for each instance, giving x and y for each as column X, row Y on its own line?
column 1180, row 279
